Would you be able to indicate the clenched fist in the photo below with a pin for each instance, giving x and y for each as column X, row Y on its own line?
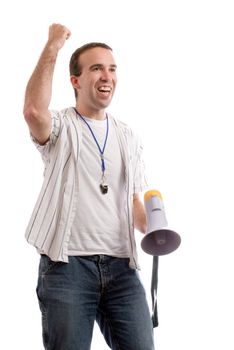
column 58, row 34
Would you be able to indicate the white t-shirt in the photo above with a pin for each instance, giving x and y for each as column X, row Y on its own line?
column 49, row 227
column 100, row 218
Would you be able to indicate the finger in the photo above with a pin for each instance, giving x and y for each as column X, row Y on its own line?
column 68, row 35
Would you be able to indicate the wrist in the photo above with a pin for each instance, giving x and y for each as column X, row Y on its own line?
column 51, row 50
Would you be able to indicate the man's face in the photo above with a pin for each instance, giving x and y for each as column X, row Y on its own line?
column 97, row 82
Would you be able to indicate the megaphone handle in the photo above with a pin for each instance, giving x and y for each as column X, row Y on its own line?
column 154, row 287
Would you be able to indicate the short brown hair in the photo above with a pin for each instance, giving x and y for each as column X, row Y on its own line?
column 75, row 68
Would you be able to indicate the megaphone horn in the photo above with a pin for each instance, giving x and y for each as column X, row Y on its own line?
column 158, row 240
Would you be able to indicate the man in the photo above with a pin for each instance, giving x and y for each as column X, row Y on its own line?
column 83, row 222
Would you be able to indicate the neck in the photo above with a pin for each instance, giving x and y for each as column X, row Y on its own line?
column 93, row 114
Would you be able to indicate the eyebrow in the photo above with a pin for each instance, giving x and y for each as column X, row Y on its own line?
column 101, row 65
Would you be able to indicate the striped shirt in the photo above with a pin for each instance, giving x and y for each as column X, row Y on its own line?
column 49, row 228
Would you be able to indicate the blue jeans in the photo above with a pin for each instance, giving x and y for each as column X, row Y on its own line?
column 73, row 295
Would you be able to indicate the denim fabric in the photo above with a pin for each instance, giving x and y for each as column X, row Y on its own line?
column 102, row 288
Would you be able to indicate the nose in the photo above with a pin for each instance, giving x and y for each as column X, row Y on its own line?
column 106, row 75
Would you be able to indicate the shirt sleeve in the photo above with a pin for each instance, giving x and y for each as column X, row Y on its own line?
column 54, row 134
column 139, row 176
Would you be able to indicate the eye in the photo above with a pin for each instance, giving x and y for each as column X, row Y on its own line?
column 96, row 68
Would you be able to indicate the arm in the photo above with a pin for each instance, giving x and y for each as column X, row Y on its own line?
column 39, row 88
column 139, row 214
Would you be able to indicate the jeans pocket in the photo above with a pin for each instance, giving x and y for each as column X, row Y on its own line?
column 47, row 265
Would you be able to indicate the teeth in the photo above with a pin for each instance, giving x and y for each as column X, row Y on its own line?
column 104, row 88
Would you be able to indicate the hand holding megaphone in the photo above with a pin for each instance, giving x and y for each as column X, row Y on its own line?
column 158, row 240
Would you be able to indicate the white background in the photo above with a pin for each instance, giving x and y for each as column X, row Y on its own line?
column 176, row 81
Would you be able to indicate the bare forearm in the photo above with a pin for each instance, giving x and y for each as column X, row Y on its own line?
column 39, row 88
column 139, row 214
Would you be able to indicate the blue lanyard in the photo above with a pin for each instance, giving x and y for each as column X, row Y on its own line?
column 96, row 141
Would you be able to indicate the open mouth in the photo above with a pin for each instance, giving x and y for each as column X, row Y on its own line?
column 105, row 89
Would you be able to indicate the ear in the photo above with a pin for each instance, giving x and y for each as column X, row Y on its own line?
column 75, row 82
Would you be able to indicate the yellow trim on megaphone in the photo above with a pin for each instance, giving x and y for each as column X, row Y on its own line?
column 152, row 193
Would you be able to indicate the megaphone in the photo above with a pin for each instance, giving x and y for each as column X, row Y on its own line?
column 158, row 240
